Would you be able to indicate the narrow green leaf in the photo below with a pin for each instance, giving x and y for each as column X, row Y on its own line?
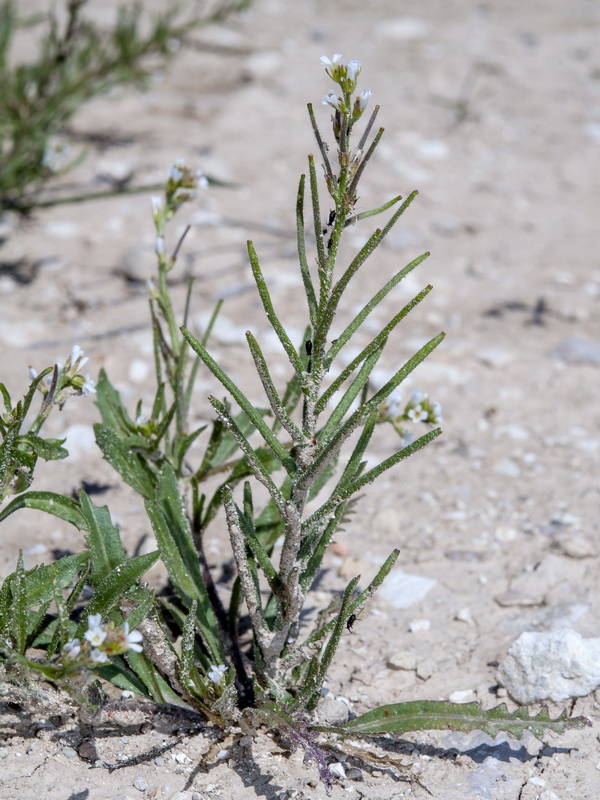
column 18, row 622
column 317, row 222
column 252, row 413
column 40, row 582
column 339, row 412
column 258, row 468
column 113, row 412
column 257, row 550
column 188, row 584
column 134, row 470
column 48, row 449
column 168, row 499
column 344, row 337
column 122, row 578
column 156, row 686
column 102, row 538
column 275, row 401
column 368, row 477
column 301, row 242
column 333, row 446
column 378, row 341
column 56, row 504
column 126, row 679
column 421, row 715
column 270, row 311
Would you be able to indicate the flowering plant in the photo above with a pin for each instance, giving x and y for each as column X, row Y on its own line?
column 322, row 419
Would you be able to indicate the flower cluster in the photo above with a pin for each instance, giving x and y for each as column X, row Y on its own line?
column 181, row 187
column 346, row 76
column 66, row 380
column 100, row 642
column 418, row 409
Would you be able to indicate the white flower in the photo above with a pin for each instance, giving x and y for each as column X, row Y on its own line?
column 331, row 62
column 132, row 638
column 201, row 179
column 352, row 70
column 363, row 98
column 417, row 397
column 418, row 414
column 95, row 633
column 391, row 407
column 436, row 411
column 176, row 173
column 159, row 245
column 33, row 373
column 331, row 99
column 157, row 204
column 89, row 387
column 98, row 657
column 215, row 674
column 72, row 648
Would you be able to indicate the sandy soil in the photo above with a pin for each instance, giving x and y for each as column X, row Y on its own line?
column 492, row 111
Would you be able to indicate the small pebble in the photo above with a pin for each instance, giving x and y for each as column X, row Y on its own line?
column 338, row 770
column 402, row 661
column 159, row 761
column 417, row 625
column 69, row 752
column 354, row 774
column 140, row 784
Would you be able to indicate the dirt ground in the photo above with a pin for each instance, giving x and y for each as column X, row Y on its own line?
column 492, row 111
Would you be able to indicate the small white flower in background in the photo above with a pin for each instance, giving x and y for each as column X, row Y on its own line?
column 132, row 638
column 417, row 397
column 159, row 246
column 201, row 179
column 72, row 648
column 215, row 674
column 56, row 156
column 436, row 412
column 33, row 373
column 157, row 204
column 176, row 173
column 417, row 414
column 98, row 657
column 331, row 99
column 95, row 633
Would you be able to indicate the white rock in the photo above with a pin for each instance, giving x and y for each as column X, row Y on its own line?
column 462, row 696
column 140, row 784
column 554, row 665
column 417, row 625
column 338, row 770
column 402, row 590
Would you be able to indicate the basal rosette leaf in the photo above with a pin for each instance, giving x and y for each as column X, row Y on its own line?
column 420, row 715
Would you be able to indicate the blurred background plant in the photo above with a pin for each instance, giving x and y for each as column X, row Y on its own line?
column 75, row 61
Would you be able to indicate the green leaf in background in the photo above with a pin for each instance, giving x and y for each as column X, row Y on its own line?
column 122, row 578
column 56, row 504
column 174, row 544
column 48, row 449
column 131, row 466
column 102, row 538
